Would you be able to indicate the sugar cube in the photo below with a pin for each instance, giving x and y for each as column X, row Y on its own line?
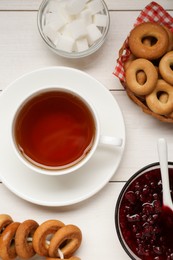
column 63, row 12
column 58, row 21
column 55, row 5
column 77, row 28
column 56, row 39
column 100, row 20
column 74, row 7
column 65, row 31
column 50, row 31
column 93, row 33
column 86, row 16
column 95, row 6
column 65, row 43
column 82, row 44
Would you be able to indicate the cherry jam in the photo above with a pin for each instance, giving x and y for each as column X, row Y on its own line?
column 146, row 225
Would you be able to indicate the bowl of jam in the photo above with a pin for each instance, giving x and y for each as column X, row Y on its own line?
column 144, row 225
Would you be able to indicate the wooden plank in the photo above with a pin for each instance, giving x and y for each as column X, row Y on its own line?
column 22, row 49
column 20, row 4
column 135, row 4
column 142, row 133
column 112, row 4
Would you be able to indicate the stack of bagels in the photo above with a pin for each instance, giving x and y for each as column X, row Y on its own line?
column 149, row 69
column 52, row 239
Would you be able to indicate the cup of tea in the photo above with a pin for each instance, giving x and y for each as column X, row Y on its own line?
column 56, row 131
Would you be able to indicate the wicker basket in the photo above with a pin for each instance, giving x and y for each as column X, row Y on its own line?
column 124, row 54
column 140, row 101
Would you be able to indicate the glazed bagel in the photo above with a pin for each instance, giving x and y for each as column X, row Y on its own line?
column 171, row 115
column 151, row 77
column 67, row 239
column 140, row 76
column 163, row 97
column 160, row 106
column 5, row 220
column 7, row 242
column 170, row 37
column 130, row 59
column 149, row 41
column 144, row 31
column 165, row 67
column 23, row 239
column 47, row 228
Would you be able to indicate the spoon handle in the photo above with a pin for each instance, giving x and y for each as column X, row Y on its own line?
column 163, row 158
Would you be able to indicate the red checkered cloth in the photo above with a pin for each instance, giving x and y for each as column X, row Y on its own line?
column 151, row 13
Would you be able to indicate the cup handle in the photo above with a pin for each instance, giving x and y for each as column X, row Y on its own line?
column 110, row 140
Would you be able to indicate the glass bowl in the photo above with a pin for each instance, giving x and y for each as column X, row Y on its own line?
column 45, row 9
column 144, row 226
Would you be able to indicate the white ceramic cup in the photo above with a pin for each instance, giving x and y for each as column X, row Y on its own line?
column 98, row 138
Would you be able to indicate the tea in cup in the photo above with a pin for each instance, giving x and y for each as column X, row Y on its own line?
column 56, row 131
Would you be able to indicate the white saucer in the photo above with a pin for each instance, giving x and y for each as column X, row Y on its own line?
column 82, row 184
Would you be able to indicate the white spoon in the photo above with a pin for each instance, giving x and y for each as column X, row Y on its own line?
column 163, row 158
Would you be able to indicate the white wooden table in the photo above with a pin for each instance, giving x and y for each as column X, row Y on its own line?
column 22, row 50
